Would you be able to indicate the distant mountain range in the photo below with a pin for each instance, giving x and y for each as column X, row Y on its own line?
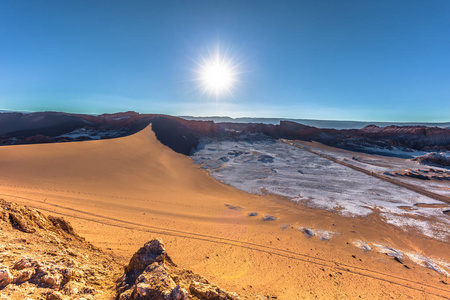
column 333, row 124
column 183, row 134
column 315, row 123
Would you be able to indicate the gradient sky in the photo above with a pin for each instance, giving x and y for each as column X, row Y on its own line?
column 343, row 60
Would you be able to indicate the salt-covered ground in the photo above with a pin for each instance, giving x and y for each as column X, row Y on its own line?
column 92, row 133
column 263, row 166
column 381, row 164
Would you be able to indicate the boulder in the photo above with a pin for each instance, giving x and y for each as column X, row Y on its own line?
column 152, row 251
column 151, row 274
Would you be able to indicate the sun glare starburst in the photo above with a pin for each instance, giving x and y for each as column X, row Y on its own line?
column 217, row 74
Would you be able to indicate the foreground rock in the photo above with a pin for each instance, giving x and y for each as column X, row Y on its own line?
column 42, row 258
column 151, row 274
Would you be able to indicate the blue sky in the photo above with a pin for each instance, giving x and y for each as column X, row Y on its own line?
column 342, row 60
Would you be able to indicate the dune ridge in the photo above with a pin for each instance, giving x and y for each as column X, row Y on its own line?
column 118, row 193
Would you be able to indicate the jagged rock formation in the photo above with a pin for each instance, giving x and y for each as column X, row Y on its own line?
column 151, row 274
column 423, row 174
column 434, row 159
column 43, row 258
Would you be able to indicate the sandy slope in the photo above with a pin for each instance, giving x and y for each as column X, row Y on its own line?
column 122, row 192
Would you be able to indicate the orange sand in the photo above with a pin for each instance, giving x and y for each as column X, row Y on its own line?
column 120, row 193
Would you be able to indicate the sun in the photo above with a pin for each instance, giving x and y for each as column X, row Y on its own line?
column 217, row 74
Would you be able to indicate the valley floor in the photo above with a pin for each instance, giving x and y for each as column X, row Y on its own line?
column 120, row 193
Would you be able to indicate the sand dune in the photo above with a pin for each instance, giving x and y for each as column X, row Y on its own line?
column 120, row 193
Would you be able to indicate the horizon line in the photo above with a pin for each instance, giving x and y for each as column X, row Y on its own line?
column 224, row 116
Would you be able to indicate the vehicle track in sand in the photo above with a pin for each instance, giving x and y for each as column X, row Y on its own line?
column 76, row 196
column 114, row 222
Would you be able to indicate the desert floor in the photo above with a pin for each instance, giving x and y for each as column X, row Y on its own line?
column 120, row 193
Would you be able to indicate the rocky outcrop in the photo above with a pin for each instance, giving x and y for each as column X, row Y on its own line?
column 434, row 159
column 43, row 256
column 423, row 174
column 151, row 274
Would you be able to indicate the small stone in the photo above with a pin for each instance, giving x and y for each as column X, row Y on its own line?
column 127, row 295
column 23, row 276
column 269, row 218
column 307, row 231
column 5, row 276
column 23, row 263
column 54, row 295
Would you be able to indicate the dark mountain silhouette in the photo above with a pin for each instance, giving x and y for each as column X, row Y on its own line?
column 182, row 135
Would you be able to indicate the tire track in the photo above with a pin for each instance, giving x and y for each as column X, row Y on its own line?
column 372, row 274
column 43, row 192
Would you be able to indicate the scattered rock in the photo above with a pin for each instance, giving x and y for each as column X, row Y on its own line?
column 23, row 263
column 307, row 231
column 265, row 158
column 362, row 245
column 54, row 295
column 390, row 251
column 224, row 159
column 325, row 235
column 234, row 207
column 423, row 174
column 23, row 276
column 252, row 214
column 210, row 291
column 235, row 153
column 268, row 218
